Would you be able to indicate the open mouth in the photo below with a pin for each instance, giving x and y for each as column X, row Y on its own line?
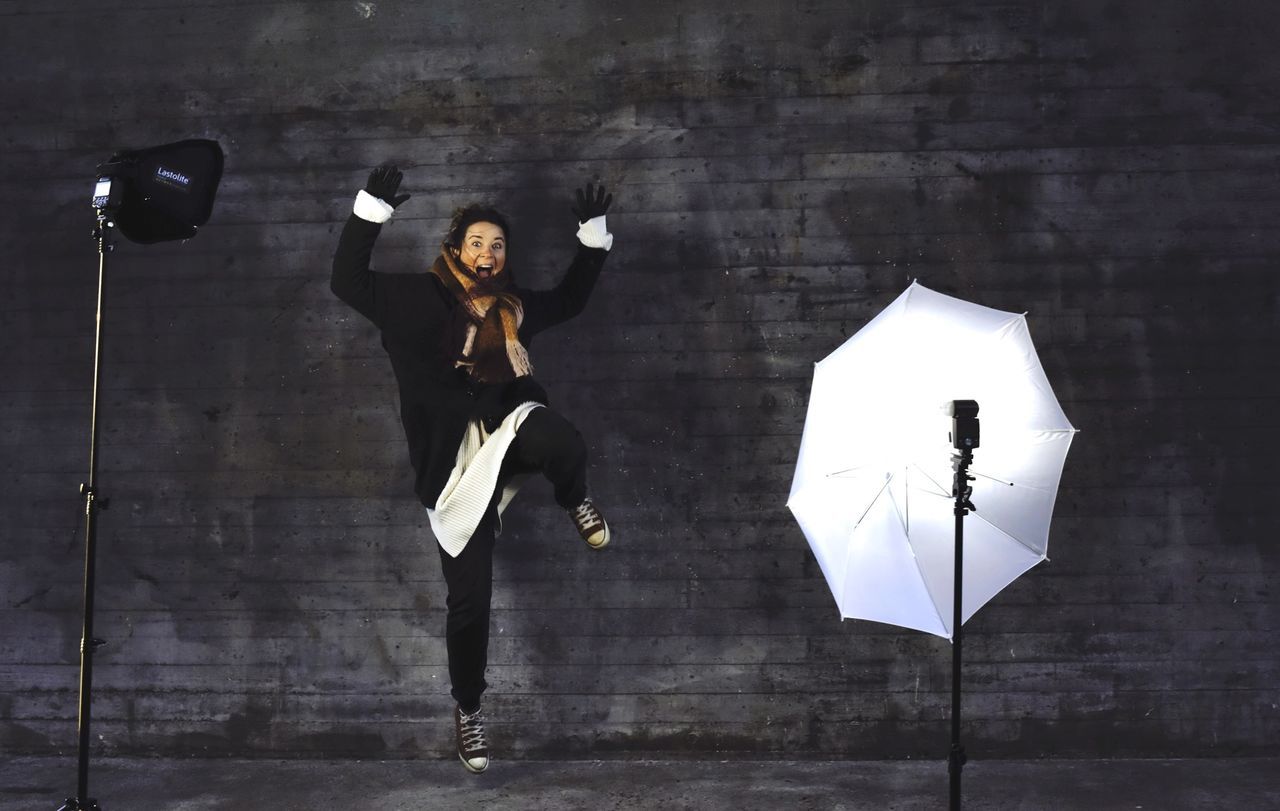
column 484, row 271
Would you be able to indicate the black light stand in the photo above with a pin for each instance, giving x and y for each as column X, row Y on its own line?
column 964, row 438
column 157, row 194
column 88, row 643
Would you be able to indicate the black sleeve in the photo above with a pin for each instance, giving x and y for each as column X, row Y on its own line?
column 392, row 301
column 546, row 308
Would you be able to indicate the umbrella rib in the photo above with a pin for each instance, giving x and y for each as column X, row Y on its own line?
column 998, row 480
column 985, row 520
column 1008, row 534
column 942, row 491
column 837, row 473
column 905, row 513
column 933, row 600
column 872, row 502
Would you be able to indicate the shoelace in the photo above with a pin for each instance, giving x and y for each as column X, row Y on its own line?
column 585, row 514
column 473, row 731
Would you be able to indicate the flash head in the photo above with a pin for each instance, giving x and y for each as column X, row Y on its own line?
column 964, row 423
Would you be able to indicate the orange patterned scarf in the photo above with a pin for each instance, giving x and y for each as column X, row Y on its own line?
column 491, row 350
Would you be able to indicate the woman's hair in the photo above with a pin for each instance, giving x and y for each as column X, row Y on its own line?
column 470, row 214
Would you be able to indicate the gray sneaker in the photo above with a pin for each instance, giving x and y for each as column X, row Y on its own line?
column 591, row 525
column 473, row 750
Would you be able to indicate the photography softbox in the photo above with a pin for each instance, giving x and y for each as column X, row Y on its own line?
column 163, row 192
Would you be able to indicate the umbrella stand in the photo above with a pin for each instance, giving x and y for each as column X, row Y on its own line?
column 869, row 490
column 964, row 437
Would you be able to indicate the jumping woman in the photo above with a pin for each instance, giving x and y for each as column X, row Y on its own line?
column 475, row 419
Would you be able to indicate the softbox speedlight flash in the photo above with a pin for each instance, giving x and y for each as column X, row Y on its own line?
column 167, row 190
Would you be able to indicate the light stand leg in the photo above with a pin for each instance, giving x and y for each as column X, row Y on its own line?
column 88, row 644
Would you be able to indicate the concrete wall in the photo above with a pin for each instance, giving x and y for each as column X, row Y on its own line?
column 782, row 171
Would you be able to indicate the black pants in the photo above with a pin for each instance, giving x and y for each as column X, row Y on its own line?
column 546, row 443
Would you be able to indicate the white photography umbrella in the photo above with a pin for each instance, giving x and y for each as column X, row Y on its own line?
column 872, row 486
column 875, row 491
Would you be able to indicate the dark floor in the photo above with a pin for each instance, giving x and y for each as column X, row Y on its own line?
column 35, row 784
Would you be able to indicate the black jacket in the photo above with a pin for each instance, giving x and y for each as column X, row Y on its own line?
column 413, row 311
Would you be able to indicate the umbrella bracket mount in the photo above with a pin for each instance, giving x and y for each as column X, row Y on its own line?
column 961, row 487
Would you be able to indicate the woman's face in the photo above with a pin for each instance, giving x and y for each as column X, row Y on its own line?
column 484, row 250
